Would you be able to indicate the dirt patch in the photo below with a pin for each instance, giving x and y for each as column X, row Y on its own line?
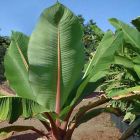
column 98, row 128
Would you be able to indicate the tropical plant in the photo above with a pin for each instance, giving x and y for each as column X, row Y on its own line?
column 49, row 77
column 46, row 72
column 123, row 81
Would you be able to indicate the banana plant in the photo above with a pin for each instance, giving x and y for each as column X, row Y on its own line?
column 46, row 71
column 126, row 96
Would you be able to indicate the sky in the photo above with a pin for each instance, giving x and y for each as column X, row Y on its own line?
column 22, row 15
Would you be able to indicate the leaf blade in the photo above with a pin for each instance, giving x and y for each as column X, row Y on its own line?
column 43, row 73
column 131, row 35
column 14, row 107
column 16, row 65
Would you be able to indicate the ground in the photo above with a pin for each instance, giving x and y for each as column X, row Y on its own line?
column 102, row 127
column 99, row 128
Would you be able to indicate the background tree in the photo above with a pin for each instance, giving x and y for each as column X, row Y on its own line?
column 4, row 43
column 92, row 36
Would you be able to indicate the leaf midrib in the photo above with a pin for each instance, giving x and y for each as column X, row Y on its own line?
column 58, row 88
column 22, row 56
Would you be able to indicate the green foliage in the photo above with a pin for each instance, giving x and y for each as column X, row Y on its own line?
column 63, row 46
column 92, row 36
column 14, row 107
column 51, row 70
column 46, row 71
column 125, row 71
column 122, row 83
column 4, row 43
column 16, row 57
column 99, row 64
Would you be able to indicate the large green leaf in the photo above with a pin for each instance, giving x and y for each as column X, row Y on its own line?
column 136, row 61
column 11, row 108
column 100, row 63
column 123, row 60
column 137, row 70
column 16, row 65
column 131, row 35
column 120, row 93
column 97, row 68
column 129, row 64
column 56, row 55
column 104, row 55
